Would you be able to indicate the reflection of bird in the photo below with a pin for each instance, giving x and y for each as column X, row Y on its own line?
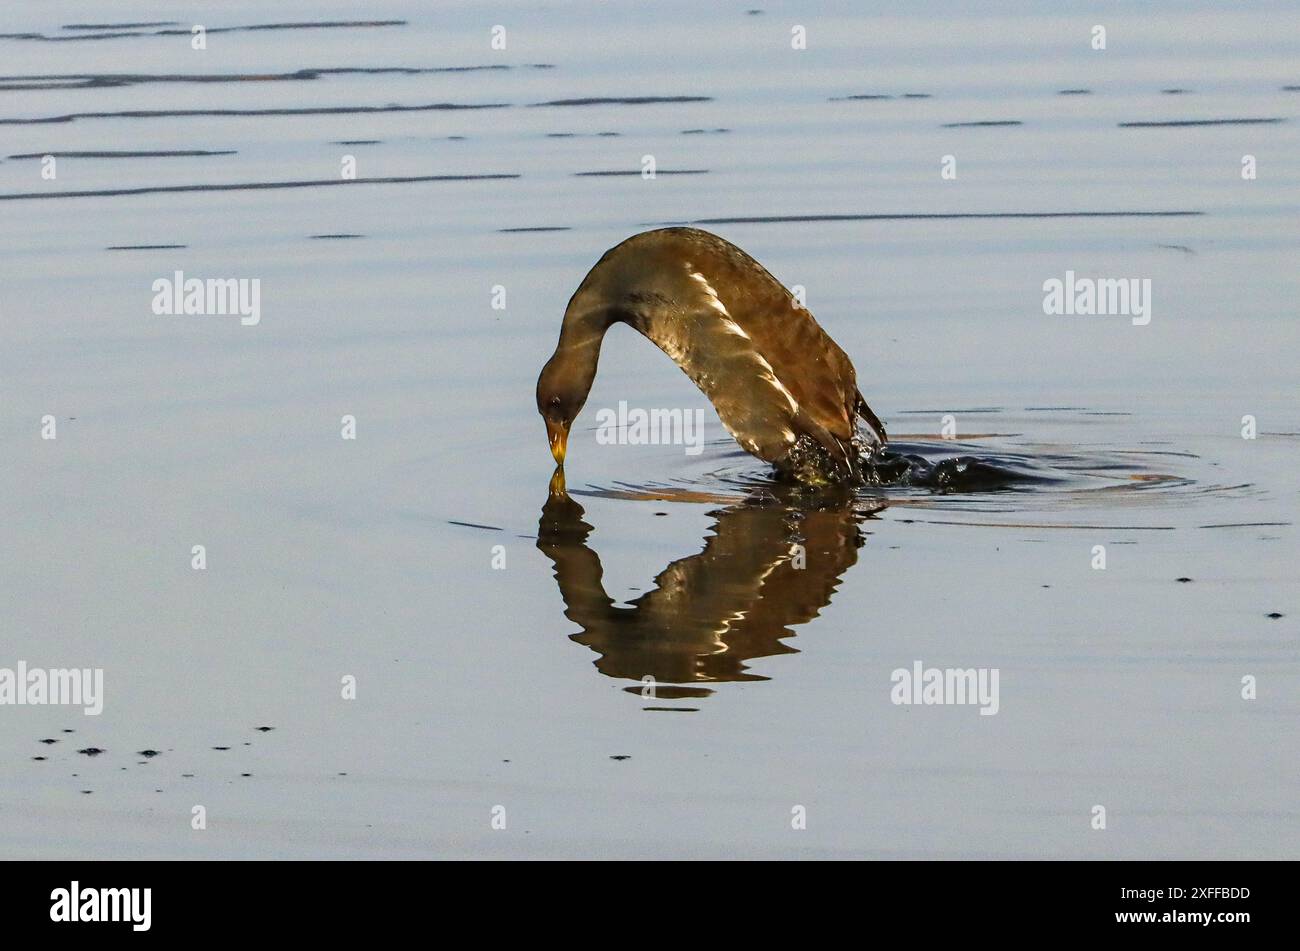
column 779, row 383
column 768, row 566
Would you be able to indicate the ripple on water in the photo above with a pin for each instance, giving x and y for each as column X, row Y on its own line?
column 987, row 478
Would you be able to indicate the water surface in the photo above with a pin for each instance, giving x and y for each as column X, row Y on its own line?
column 499, row 635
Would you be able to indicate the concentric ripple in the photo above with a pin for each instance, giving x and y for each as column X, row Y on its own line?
column 983, row 477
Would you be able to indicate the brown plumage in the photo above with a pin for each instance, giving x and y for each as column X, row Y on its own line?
column 779, row 383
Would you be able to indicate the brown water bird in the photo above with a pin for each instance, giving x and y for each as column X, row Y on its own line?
column 779, row 383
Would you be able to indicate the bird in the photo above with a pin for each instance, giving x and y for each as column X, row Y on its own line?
column 780, row 385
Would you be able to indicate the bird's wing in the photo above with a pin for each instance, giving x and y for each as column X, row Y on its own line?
column 810, row 367
column 770, row 370
column 751, row 400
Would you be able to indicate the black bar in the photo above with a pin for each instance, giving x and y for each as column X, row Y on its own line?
column 329, row 900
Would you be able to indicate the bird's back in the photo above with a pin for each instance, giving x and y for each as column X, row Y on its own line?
column 730, row 324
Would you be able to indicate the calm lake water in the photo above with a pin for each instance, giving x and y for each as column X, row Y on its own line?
column 498, row 637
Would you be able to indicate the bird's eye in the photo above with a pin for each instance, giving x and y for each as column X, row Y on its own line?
column 555, row 401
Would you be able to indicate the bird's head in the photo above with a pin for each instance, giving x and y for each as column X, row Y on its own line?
column 561, row 394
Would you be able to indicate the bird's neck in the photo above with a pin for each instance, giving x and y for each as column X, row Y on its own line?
column 579, row 347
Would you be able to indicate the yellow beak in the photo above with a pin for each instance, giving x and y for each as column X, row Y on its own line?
column 558, row 436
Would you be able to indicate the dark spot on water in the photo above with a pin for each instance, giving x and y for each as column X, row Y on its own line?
column 1074, row 92
column 536, row 230
column 149, row 754
column 1183, row 580
column 672, row 709
column 187, row 775
column 252, row 186
column 333, row 237
column 661, row 513
column 245, row 775
column 39, row 759
column 221, row 748
column 1246, row 525
column 629, row 173
column 982, row 124
column 486, row 528
column 118, row 26
column 87, row 792
column 146, row 247
column 163, row 153
column 623, row 100
column 171, row 28
column 47, row 742
column 69, row 731
column 91, row 751
column 303, row 111
column 1174, row 92
column 878, row 96
column 704, row 131
column 620, row 757
column 264, row 729
column 1275, row 615
column 357, row 142
column 959, row 216
column 1183, row 123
